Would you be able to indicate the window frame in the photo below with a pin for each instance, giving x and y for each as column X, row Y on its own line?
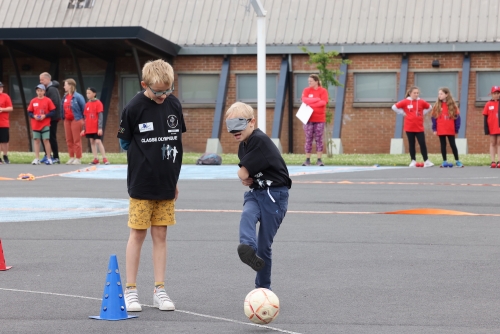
column 454, row 91
column 297, row 99
column 197, row 101
column 486, row 97
column 376, row 100
column 13, row 78
column 239, row 75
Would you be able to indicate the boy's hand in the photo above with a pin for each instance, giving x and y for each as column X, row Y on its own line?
column 435, row 133
column 82, row 133
column 247, row 182
column 99, row 132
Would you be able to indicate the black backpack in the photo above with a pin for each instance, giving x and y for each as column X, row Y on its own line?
column 209, row 159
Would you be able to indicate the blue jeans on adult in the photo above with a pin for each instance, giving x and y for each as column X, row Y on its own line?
column 267, row 206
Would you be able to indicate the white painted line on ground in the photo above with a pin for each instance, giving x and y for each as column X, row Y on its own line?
column 180, row 311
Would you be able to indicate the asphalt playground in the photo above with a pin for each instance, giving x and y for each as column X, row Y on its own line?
column 361, row 250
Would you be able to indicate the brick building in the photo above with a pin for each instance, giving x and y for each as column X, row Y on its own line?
column 211, row 44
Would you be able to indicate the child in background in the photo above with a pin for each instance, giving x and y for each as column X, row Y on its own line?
column 92, row 127
column 446, row 123
column 5, row 109
column 263, row 170
column 414, row 109
column 40, row 110
column 491, row 126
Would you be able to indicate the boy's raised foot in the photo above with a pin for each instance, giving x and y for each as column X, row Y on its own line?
column 132, row 300
column 162, row 300
column 248, row 256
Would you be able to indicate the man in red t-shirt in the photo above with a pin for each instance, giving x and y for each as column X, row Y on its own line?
column 41, row 109
column 5, row 109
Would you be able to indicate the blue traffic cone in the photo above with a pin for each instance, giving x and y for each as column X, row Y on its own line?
column 113, row 301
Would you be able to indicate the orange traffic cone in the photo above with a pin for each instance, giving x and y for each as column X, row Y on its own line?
column 3, row 267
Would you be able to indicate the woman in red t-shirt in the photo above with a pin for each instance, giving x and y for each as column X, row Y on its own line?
column 491, row 127
column 315, row 97
column 446, row 123
column 414, row 109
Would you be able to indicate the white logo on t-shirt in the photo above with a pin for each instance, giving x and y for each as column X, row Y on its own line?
column 143, row 127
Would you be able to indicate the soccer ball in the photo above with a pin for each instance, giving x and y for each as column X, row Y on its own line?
column 261, row 306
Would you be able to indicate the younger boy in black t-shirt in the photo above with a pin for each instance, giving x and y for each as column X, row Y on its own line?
column 151, row 126
column 263, row 170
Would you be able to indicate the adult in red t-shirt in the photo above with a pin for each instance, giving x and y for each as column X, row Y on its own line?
column 315, row 97
column 446, row 123
column 92, row 128
column 41, row 110
column 414, row 109
column 491, row 127
column 5, row 109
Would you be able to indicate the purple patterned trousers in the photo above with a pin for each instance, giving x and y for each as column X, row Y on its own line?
column 314, row 131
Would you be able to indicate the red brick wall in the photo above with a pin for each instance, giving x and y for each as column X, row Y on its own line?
column 364, row 129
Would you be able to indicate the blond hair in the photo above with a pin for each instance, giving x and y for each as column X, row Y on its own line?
column 72, row 85
column 411, row 89
column 240, row 109
column 158, row 72
column 452, row 106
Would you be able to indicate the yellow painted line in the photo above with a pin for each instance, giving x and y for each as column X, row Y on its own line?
column 6, row 179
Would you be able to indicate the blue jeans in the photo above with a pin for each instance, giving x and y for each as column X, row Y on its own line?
column 258, row 206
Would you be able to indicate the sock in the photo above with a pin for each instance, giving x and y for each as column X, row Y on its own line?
column 159, row 284
column 308, row 159
column 319, row 159
column 131, row 286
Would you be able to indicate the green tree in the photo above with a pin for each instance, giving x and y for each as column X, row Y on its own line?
column 327, row 64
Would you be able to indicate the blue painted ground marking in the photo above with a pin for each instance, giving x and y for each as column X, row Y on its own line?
column 197, row 172
column 17, row 209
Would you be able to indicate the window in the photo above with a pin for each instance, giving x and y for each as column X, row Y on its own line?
column 301, row 83
column 29, row 84
column 486, row 80
column 429, row 84
column 246, row 87
column 95, row 81
column 198, row 88
column 375, row 87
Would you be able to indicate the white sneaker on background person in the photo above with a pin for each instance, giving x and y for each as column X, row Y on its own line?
column 70, row 161
column 35, row 162
column 413, row 163
column 428, row 163
column 76, row 162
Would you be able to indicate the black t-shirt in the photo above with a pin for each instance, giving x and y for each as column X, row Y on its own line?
column 155, row 152
column 264, row 163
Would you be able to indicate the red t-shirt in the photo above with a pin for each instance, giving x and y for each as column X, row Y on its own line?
column 91, row 114
column 68, row 113
column 491, row 110
column 445, row 125
column 319, row 108
column 40, row 107
column 414, row 110
column 5, row 102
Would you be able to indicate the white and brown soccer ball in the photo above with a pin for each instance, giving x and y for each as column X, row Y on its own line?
column 261, row 306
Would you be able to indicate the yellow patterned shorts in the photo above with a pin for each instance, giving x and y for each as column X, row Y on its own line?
column 144, row 213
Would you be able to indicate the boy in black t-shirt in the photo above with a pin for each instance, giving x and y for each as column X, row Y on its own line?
column 151, row 130
column 263, row 170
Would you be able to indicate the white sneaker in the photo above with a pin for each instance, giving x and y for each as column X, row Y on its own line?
column 413, row 163
column 76, row 162
column 49, row 161
column 35, row 162
column 132, row 300
column 70, row 161
column 162, row 300
column 428, row 163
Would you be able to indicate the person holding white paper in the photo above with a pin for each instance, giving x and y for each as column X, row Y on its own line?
column 315, row 97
